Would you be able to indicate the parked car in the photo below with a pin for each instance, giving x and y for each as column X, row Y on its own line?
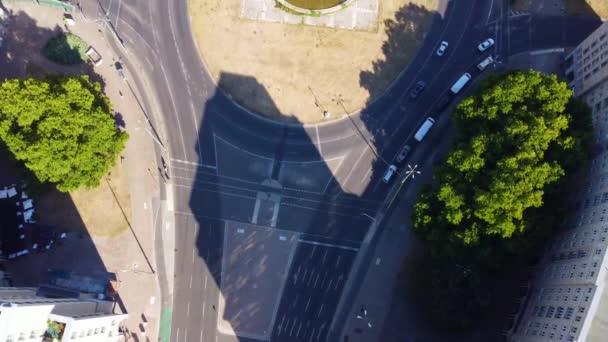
column 389, row 173
column 485, row 63
column 442, row 47
column 485, row 44
column 420, row 85
column 403, row 153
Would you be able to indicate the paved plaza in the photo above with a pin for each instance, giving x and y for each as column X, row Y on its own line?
column 361, row 15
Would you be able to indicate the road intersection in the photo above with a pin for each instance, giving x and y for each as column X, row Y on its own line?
column 309, row 190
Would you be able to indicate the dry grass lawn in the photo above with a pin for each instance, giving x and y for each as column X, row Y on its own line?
column 292, row 71
column 96, row 211
column 590, row 7
column 521, row 5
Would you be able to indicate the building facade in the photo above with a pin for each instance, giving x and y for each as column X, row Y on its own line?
column 586, row 64
column 568, row 300
column 26, row 315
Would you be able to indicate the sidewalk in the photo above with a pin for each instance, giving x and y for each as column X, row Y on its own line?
column 131, row 256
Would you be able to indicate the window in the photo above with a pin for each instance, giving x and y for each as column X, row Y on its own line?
column 578, row 318
column 581, row 309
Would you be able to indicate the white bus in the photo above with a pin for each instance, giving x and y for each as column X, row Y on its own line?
column 462, row 81
column 424, row 129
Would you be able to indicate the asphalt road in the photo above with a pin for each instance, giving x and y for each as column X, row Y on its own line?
column 227, row 165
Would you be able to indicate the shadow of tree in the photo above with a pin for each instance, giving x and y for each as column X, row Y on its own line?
column 409, row 26
column 21, row 53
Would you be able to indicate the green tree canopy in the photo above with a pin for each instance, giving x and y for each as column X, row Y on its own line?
column 517, row 136
column 62, row 129
column 500, row 165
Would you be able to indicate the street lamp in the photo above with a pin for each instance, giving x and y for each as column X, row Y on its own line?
column 410, row 172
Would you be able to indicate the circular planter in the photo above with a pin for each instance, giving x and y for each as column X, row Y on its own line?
column 318, row 9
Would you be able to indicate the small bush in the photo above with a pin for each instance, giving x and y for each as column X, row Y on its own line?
column 66, row 48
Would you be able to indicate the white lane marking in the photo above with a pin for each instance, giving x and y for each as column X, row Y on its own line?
column 292, row 326
column 319, row 141
column 275, row 214
column 338, row 260
column 187, row 79
column 320, row 329
column 299, row 327
column 324, row 257
column 329, row 285
column 188, row 310
column 205, row 282
column 307, row 304
column 333, row 175
column 215, row 152
column 320, row 310
column 345, row 182
column 312, row 334
column 256, row 211
column 316, row 280
column 118, row 14
column 177, row 335
column 201, row 339
column 190, row 282
column 329, row 245
column 193, row 163
column 185, row 334
column 203, row 318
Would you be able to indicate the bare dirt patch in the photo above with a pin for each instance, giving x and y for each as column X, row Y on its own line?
column 301, row 70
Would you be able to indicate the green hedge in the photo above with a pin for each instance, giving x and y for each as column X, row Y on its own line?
column 66, row 48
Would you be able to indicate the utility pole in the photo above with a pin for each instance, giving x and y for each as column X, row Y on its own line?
column 361, row 134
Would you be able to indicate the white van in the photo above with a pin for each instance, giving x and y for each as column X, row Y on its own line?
column 484, row 64
column 462, row 81
column 389, row 173
column 424, row 129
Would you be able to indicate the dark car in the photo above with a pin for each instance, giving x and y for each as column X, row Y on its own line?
column 420, row 85
column 403, row 153
column 443, row 103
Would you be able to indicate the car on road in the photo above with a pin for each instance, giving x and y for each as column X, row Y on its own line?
column 485, row 63
column 389, row 173
column 485, row 44
column 442, row 47
column 418, row 88
column 403, row 153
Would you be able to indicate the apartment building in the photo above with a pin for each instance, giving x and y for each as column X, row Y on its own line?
column 26, row 315
column 586, row 64
column 568, row 300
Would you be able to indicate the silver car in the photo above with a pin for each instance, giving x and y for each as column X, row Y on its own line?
column 442, row 47
column 485, row 44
